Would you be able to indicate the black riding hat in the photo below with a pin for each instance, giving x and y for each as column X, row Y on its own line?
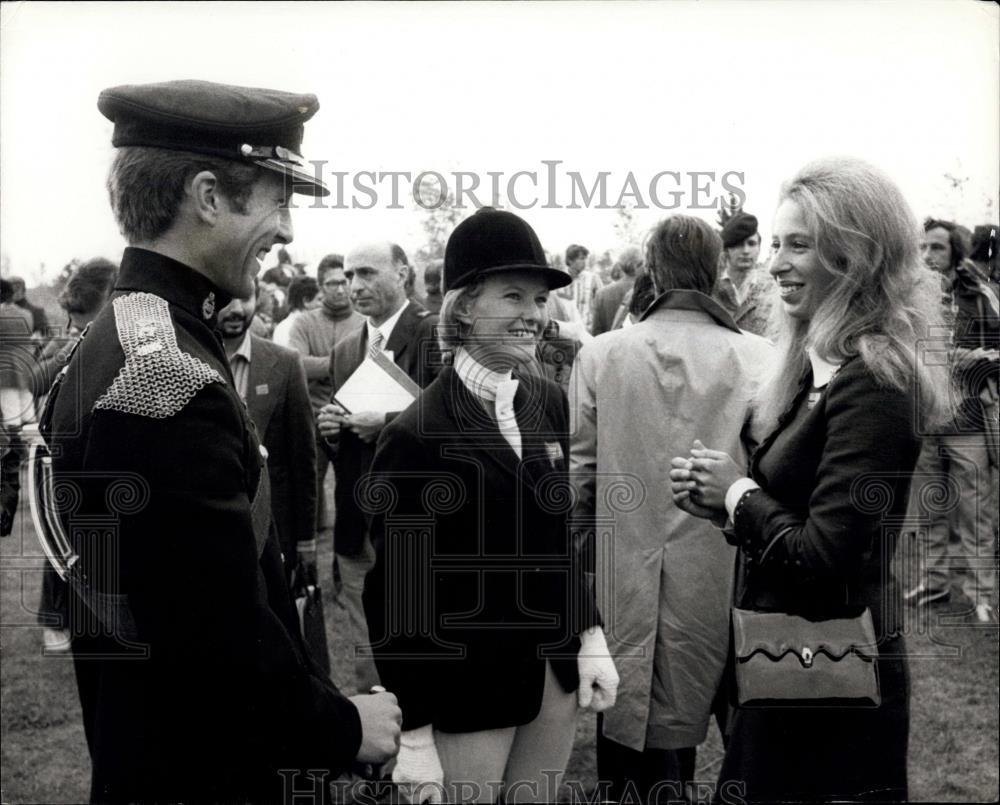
column 491, row 241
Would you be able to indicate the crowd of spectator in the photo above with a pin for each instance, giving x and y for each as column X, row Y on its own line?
column 673, row 352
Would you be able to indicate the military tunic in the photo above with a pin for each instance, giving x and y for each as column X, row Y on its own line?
column 194, row 681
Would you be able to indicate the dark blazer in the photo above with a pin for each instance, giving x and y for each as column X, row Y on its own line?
column 475, row 582
column 278, row 401
column 818, row 541
column 194, row 682
column 606, row 304
column 413, row 343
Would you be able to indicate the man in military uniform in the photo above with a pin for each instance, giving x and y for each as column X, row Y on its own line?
column 194, row 680
column 744, row 288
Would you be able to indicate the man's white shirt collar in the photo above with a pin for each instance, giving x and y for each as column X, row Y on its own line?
column 387, row 326
column 244, row 349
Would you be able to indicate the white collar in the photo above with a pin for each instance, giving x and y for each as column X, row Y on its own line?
column 823, row 371
column 244, row 348
column 480, row 380
column 387, row 326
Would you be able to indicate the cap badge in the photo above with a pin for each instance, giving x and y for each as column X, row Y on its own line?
column 208, row 306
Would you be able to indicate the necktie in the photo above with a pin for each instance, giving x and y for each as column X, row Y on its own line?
column 506, row 421
column 375, row 347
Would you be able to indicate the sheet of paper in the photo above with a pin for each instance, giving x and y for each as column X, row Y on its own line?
column 377, row 385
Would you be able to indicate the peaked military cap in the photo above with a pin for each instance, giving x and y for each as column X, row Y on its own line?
column 738, row 228
column 491, row 241
column 244, row 124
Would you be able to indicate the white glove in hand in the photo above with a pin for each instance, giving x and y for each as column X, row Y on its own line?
column 598, row 677
column 418, row 771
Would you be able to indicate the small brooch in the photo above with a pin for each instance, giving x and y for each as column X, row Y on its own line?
column 208, row 306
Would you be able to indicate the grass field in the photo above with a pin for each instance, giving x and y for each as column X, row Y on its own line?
column 954, row 706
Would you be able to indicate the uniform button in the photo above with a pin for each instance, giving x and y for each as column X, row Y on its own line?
column 263, row 452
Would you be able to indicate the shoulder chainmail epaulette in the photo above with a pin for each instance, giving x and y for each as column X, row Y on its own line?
column 158, row 379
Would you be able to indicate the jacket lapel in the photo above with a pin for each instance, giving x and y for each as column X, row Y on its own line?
column 261, row 397
column 403, row 333
column 536, row 434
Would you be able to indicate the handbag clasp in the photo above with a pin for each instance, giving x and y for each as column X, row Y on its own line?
column 807, row 657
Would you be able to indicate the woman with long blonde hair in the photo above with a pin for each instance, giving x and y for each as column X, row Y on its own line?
column 817, row 516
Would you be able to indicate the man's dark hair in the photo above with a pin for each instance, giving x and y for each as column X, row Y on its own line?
column 300, row 291
column 683, row 252
column 643, row 294
column 434, row 268
column 89, row 286
column 146, row 186
column 955, row 239
column 329, row 262
column 6, row 291
column 630, row 262
column 574, row 251
column 984, row 243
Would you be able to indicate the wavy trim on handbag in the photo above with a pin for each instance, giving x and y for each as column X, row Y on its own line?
column 786, row 660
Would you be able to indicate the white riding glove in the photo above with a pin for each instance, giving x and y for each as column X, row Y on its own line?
column 418, row 771
column 598, row 676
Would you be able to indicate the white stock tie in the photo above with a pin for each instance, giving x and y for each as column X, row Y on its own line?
column 506, row 420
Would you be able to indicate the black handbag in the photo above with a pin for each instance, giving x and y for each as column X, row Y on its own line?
column 786, row 660
column 309, row 605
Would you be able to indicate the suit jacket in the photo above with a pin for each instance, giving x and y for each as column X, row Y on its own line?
column 606, row 304
column 415, row 350
column 278, row 402
column 475, row 583
column 194, row 681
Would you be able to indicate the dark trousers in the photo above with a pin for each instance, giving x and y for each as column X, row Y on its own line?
column 323, row 462
column 53, row 610
column 688, row 756
column 649, row 776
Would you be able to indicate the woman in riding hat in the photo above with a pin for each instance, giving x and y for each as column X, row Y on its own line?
column 480, row 619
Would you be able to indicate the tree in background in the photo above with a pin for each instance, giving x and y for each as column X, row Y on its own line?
column 728, row 209
column 439, row 217
column 627, row 230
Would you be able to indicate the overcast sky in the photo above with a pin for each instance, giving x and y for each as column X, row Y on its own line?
column 757, row 88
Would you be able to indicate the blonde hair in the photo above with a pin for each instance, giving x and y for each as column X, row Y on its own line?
column 883, row 300
column 452, row 332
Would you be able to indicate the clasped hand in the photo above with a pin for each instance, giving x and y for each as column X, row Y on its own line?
column 700, row 481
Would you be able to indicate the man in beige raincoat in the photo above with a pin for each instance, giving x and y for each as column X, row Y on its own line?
column 638, row 397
